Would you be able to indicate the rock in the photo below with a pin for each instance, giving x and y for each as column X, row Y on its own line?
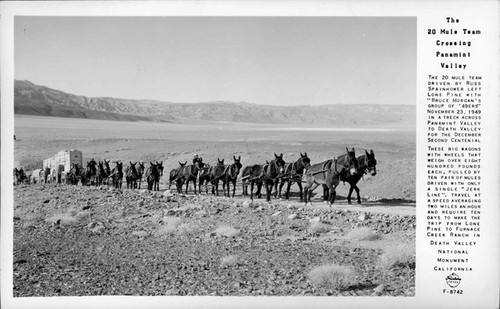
column 247, row 204
column 293, row 216
column 46, row 201
column 379, row 289
column 17, row 218
column 140, row 233
column 315, row 219
column 95, row 227
column 168, row 193
column 290, row 206
column 276, row 213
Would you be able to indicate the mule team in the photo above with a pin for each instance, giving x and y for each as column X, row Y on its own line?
column 273, row 174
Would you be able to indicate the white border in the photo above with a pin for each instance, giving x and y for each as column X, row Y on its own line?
column 427, row 13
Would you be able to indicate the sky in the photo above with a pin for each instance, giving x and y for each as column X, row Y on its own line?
column 264, row 60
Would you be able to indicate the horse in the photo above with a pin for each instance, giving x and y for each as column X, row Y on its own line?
column 292, row 172
column 204, row 177
column 216, row 172
column 152, row 175
column 140, row 173
column 329, row 173
column 131, row 175
column 231, row 175
column 189, row 173
column 174, row 174
column 367, row 164
column 117, row 175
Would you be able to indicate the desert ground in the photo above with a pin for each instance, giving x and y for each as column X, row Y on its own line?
column 73, row 240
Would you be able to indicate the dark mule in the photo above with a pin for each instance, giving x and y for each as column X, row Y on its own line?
column 231, row 175
column 117, row 175
column 174, row 174
column 367, row 164
column 216, row 173
column 292, row 172
column 91, row 173
column 252, row 175
column 204, row 177
column 271, row 174
column 189, row 173
column 152, row 175
column 131, row 175
column 101, row 173
column 19, row 176
column 140, row 173
column 329, row 173
column 46, row 174
column 75, row 174
column 156, row 183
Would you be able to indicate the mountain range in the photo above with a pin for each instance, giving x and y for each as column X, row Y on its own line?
column 31, row 99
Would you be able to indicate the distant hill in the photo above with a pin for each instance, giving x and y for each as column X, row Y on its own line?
column 38, row 100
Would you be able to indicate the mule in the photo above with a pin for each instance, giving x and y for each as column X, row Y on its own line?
column 187, row 174
column 117, row 175
column 46, row 175
column 271, row 174
column 329, row 173
column 174, row 174
column 152, row 175
column 204, row 177
column 367, row 164
column 292, row 173
column 131, row 175
column 216, row 173
column 140, row 173
column 91, row 173
column 230, row 175
column 75, row 175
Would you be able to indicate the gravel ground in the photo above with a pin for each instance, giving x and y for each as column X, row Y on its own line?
column 76, row 241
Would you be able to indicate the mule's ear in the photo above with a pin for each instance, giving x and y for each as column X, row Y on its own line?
column 281, row 155
column 275, row 155
column 305, row 154
column 239, row 158
column 347, row 149
column 151, row 163
column 185, row 162
column 234, row 157
column 301, row 154
column 352, row 149
column 366, row 152
column 371, row 151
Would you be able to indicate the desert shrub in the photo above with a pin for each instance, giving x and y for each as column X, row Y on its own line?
column 169, row 226
column 187, row 228
column 226, row 231
column 318, row 228
column 63, row 219
column 229, row 260
column 362, row 233
column 333, row 276
column 401, row 255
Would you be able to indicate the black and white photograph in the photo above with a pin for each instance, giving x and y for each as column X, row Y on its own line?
column 223, row 156
column 204, row 157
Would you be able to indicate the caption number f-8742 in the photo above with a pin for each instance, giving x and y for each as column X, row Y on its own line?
column 452, row 291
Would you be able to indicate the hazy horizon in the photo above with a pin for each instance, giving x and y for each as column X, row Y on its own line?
column 277, row 61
